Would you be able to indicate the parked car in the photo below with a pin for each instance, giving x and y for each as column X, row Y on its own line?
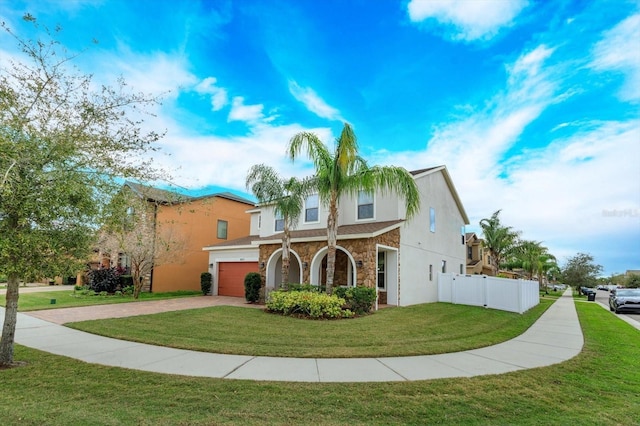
column 586, row 290
column 624, row 300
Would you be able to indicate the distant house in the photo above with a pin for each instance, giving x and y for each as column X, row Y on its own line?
column 478, row 257
column 377, row 247
column 198, row 221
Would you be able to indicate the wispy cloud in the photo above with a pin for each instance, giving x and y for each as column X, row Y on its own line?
column 313, row 102
column 467, row 20
column 619, row 51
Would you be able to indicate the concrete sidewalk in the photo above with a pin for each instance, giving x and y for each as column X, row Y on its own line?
column 554, row 338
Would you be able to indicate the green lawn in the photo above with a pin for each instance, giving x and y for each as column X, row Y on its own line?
column 68, row 299
column 598, row 387
column 415, row 330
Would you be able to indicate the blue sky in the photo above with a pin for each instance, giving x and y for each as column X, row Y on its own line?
column 533, row 106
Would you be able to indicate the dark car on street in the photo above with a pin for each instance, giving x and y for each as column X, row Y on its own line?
column 624, row 300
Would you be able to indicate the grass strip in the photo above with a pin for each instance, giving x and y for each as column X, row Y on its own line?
column 71, row 299
column 598, row 387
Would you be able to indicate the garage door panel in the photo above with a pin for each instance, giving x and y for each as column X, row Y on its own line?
column 231, row 277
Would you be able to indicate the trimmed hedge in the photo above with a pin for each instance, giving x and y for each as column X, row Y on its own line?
column 252, row 285
column 309, row 304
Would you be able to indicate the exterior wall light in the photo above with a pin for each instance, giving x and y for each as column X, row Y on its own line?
column 359, row 263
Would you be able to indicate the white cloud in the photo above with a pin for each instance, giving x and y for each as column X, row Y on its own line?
column 313, row 102
column 241, row 112
column 219, row 97
column 468, row 20
column 619, row 50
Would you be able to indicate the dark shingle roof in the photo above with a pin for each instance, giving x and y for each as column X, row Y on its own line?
column 156, row 195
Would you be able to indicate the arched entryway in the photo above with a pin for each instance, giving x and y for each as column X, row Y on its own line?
column 274, row 269
column 345, row 268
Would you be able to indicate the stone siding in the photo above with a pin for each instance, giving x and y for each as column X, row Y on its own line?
column 363, row 249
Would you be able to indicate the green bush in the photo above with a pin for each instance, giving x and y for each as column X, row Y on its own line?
column 128, row 290
column 252, row 285
column 126, row 281
column 205, row 282
column 357, row 299
column 309, row 304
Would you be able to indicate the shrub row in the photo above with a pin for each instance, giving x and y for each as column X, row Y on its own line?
column 308, row 304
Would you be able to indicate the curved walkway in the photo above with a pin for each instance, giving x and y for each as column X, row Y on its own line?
column 554, row 338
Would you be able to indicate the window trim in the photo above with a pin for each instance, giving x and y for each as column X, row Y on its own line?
column 316, row 208
column 373, row 206
column 226, row 229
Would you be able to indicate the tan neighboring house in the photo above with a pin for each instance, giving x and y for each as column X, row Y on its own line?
column 478, row 258
column 377, row 246
column 197, row 221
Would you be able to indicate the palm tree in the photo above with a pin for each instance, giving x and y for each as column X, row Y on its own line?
column 287, row 197
column 534, row 258
column 497, row 238
column 345, row 172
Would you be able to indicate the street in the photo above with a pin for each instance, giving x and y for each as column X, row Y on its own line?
column 602, row 296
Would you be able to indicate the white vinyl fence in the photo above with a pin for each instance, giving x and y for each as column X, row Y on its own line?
column 491, row 292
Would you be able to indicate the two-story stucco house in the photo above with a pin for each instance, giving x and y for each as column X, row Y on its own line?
column 194, row 220
column 377, row 246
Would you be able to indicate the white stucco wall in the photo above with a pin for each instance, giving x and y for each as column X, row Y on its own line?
column 421, row 249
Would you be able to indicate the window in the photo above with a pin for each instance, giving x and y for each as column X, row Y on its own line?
column 430, row 272
column 311, row 208
column 432, row 219
column 461, row 270
column 222, row 229
column 365, row 205
column 279, row 222
column 259, row 221
column 469, row 252
column 463, row 234
column 444, row 266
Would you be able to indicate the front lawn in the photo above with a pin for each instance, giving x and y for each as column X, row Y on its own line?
column 415, row 330
column 598, row 387
column 70, row 299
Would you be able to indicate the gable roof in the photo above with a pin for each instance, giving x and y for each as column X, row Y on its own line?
column 164, row 196
column 447, row 177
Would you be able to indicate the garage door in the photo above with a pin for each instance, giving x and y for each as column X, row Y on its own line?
column 231, row 277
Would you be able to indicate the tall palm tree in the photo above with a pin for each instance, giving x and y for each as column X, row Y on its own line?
column 287, row 197
column 499, row 239
column 343, row 171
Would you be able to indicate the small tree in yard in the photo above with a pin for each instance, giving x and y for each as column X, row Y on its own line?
column 62, row 144
column 132, row 229
column 581, row 270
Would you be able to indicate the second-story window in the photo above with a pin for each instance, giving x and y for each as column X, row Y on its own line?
column 432, row 219
column 365, row 205
column 279, row 222
column 222, row 229
column 311, row 208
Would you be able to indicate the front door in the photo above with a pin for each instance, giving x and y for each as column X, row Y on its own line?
column 382, row 276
